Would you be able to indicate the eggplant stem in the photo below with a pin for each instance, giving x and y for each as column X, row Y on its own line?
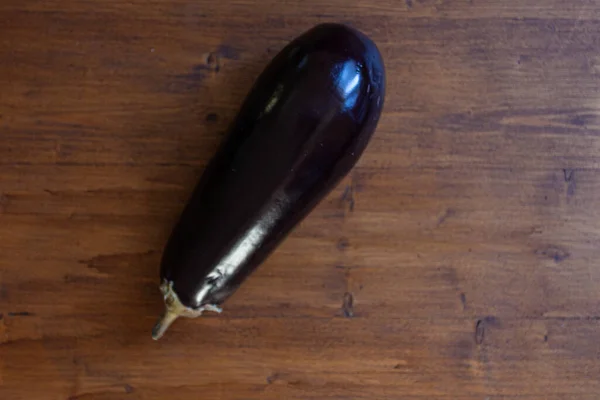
column 175, row 309
column 163, row 324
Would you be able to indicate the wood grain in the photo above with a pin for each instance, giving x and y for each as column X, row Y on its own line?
column 457, row 261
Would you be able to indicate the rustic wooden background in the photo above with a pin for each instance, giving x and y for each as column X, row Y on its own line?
column 458, row 261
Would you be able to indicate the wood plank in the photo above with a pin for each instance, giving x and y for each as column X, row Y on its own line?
column 308, row 358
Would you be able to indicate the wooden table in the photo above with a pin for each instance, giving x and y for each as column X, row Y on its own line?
column 459, row 260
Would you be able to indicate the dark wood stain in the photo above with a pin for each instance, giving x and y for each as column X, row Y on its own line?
column 556, row 253
column 447, row 214
column 462, row 350
column 583, row 120
column 110, row 110
column 479, row 331
column 228, row 52
column 482, row 325
column 3, row 292
column 272, row 378
column 20, row 314
column 570, row 179
column 450, row 275
column 3, row 202
column 81, row 279
column 342, row 244
column 569, row 174
column 348, row 197
column 213, row 62
column 212, row 117
column 491, row 320
column 348, row 305
column 111, row 263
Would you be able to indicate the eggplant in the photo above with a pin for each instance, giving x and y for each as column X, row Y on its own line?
column 300, row 130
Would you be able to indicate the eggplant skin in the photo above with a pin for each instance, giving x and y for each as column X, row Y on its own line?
column 300, row 130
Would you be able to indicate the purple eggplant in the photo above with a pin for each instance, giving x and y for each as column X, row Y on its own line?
column 301, row 129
